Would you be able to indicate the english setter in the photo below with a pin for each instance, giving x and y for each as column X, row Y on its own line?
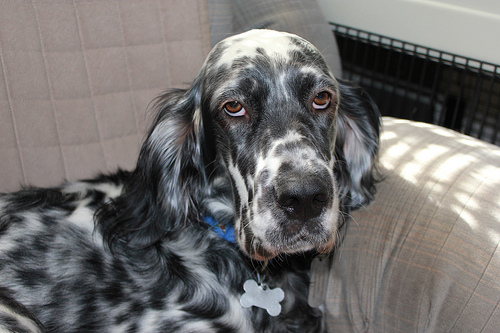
column 265, row 144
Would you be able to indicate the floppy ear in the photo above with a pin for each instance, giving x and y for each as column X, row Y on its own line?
column 356, row 147
column 169, row 178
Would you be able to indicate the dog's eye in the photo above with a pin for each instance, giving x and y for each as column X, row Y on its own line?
column 321, row 101
column 234, row 109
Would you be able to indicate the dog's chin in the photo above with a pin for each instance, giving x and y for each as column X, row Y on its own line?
column 261, row 253
column 259, row 256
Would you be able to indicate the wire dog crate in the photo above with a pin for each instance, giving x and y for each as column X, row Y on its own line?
column 413, row 82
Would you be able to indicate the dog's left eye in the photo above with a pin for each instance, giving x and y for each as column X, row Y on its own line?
column 321, row 101
column 234, row 109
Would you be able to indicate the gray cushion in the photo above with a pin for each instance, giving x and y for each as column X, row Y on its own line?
column 425, row 255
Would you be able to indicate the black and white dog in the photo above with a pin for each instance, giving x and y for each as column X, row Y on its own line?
column 266, row 143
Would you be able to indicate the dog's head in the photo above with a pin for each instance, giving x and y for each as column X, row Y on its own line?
column 296, row 145
column 273, row 103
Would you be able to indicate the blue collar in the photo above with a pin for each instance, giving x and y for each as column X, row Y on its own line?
column 225, row 231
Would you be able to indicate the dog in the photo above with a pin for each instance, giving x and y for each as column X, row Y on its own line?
column 266, row 145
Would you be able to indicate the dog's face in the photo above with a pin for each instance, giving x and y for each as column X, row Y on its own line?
column 272, row 103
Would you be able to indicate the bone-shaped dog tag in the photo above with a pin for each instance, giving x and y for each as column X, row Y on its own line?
column 262, row 296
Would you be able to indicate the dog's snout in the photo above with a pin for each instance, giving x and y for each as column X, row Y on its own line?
column 303, row 198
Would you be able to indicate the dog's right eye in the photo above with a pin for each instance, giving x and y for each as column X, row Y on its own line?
column 234, row 109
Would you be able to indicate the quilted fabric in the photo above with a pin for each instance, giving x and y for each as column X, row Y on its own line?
column 77, row 77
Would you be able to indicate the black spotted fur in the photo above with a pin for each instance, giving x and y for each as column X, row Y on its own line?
column 130, row 252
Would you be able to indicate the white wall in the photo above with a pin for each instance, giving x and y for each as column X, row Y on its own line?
column 469, row 28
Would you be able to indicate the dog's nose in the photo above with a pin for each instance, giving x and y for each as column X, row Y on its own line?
column 303, row 198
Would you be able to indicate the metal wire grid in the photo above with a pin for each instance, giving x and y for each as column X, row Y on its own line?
column 414, row 82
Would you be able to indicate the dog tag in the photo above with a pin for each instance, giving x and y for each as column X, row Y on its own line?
column 261, row 296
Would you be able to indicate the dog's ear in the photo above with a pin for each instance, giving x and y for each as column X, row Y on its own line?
column 356, row 146
column 170, row 176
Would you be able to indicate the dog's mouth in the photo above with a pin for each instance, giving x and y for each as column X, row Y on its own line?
column 262, row 252
column 275, row 230
column 297, row 217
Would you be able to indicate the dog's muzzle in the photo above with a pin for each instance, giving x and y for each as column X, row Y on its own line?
column 296, row 206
